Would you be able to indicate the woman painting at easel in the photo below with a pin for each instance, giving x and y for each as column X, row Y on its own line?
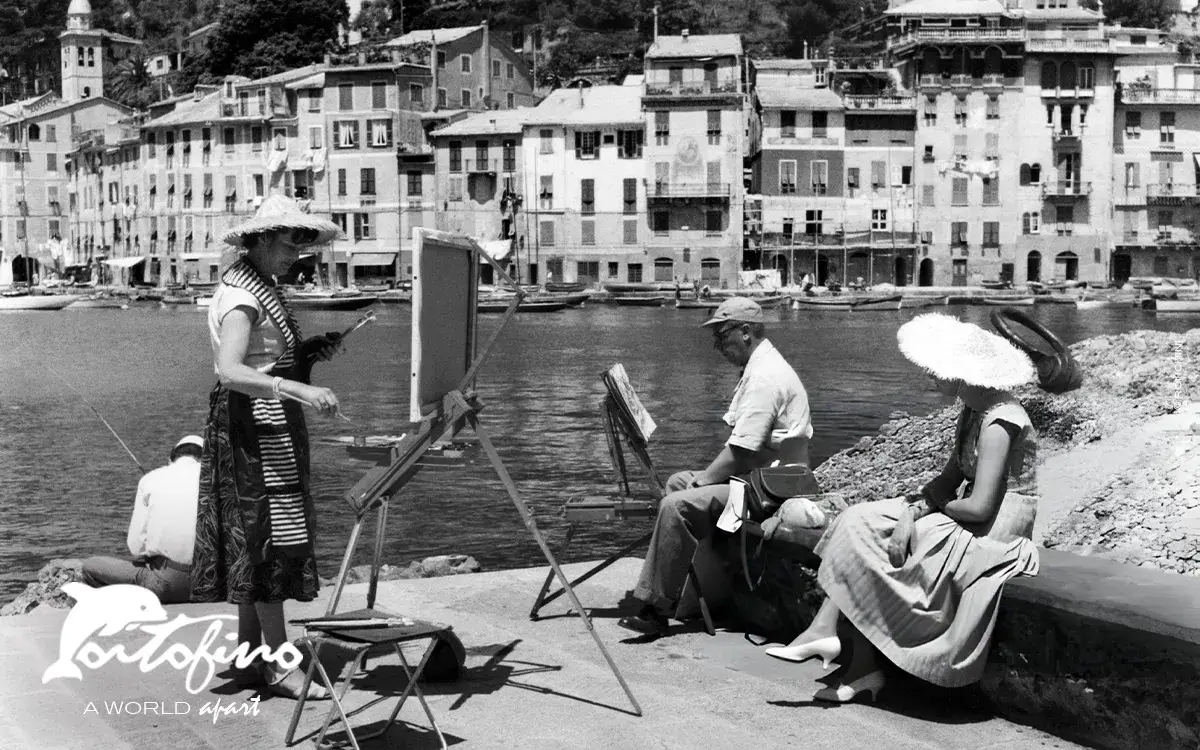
column 254, row 530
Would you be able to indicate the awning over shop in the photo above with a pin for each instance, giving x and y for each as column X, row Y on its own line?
column 125, row 262
column 498, row 249
column 373, row 259
column 1196, row 158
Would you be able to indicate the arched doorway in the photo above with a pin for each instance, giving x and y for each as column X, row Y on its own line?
column 1122, row 267
column 925, row 274
column 900, row 271
column 931, row 62
column 1066, row 265
column 993, row 60
column 1033, row 266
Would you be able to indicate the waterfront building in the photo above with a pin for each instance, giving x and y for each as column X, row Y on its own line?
column 40, row 218
column 831, row 172
column 694, row 98
column 471, row 68
column 1156, row 159
column 1013, row 138
column 479, row 185
column 585, row 188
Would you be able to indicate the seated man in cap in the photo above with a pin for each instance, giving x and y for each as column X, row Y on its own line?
column 162, row 531
column 770, row 422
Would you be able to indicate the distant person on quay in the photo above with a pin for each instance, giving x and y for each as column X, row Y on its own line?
column 919, row 577
column 770, row 421
column 255, row 522
column 162, row 530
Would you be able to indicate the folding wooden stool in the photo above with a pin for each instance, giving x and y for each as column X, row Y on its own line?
column 359, row 641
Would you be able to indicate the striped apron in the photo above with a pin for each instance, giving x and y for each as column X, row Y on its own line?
column 254, row 526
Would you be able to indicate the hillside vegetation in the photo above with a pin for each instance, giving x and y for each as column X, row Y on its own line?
column 262, row 37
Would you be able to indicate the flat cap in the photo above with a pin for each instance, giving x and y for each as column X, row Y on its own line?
column 738, row 309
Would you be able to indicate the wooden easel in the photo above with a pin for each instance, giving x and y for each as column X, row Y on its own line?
column 618, row 428
column 458, row 410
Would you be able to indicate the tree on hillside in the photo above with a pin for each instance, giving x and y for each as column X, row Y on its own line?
column 131, row 83
column 262, row 37
column 1149, row 14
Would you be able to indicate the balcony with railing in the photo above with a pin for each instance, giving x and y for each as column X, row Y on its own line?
column 811, row 235
column 1173, row 194
column 670, row 190
column 1067, row 45
column 94, row 137
column 986, row 35
column 1132, row 94
column 481, row 166
column 1066, row 92
column 1130, row 195
column 880, row 102
column 796, row 140
column 686, row 89
column 1066, row 189
column 1068, row 136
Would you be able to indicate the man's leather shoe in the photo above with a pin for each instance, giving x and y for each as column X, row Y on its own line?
column 647, row 622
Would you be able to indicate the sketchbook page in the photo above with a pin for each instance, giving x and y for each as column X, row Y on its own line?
column 622, row 391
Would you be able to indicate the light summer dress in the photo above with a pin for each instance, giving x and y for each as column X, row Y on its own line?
column 933, row 616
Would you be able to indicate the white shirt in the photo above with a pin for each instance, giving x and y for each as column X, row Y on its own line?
column 164, row 516
column 769, row 404
column 266, row 344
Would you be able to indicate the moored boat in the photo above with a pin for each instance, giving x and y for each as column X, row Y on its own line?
column 570, row 300
column 395, row 297
column 99, row 303
column 565, row 287
column 332, row 302
column 37, row 301
column 1007, row 301
column 640, row 300
column 526, row 306
column 637, row 287
column 1177, row 305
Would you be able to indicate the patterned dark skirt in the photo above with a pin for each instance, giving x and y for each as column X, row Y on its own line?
column 236, row 557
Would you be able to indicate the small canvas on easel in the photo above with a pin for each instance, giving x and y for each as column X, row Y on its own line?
column 444, row 275
column 619, row 387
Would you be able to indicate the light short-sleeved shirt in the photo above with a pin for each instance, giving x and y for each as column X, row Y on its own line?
column 266, row 344
column 769, row 404
column 164, row 516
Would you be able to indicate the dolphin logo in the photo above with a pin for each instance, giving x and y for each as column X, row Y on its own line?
column 107, row 610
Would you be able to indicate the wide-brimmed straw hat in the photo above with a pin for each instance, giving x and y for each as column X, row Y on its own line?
column 280, row 212
column 951, row 349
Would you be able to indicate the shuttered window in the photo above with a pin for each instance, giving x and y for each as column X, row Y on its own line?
column 959, row 191
column 587, row 197
column 547, row 233
column 630, row 234
column 630, row 195
column 587, row 233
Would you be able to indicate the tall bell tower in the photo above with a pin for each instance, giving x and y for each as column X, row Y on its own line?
column 82, row 54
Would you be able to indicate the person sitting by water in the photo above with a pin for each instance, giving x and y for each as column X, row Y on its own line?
column 770, row 420
column 919, row 577
column 162, row 531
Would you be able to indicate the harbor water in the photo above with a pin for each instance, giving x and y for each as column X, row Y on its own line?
column 67, row 486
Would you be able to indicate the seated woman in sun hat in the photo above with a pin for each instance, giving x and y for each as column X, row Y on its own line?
column 254, row 528
column 919, row 577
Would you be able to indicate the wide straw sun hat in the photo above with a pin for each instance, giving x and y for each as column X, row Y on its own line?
column 951, row 349
column 280, row 212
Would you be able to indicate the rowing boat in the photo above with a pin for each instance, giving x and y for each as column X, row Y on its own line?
column 1007, row 301
column 640, row 300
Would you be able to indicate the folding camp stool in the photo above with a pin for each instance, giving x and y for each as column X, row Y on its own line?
column 359, row 641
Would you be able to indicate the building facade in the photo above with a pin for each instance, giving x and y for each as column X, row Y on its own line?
column 585, row 181
column 694, row 102
column 471, row 68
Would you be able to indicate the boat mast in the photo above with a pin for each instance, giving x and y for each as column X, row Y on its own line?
column 22, row 148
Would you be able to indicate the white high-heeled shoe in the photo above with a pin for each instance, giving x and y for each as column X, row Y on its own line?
column 844, row 693
column 826, row 648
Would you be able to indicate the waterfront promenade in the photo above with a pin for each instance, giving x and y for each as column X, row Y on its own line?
column 528, row 685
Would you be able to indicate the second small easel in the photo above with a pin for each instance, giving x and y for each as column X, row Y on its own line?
column 619, row 427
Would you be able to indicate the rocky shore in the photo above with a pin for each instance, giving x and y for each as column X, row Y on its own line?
column 47, row 590
column 1122, row 448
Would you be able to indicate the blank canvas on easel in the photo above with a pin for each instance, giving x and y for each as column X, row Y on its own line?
column 444, row 289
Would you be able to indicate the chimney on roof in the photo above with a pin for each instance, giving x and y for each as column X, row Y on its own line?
column 685, row 34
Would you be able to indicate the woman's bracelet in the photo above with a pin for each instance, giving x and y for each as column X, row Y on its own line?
column 275, row 387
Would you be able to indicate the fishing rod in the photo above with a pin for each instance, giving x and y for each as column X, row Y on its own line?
column 98, row 415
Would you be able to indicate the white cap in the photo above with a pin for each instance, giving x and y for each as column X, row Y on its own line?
column 195, row 440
